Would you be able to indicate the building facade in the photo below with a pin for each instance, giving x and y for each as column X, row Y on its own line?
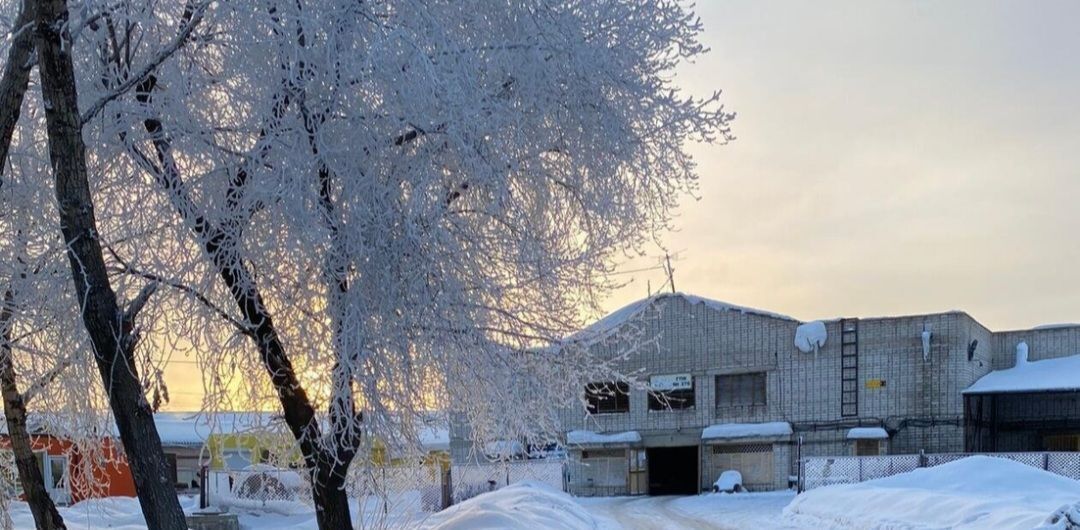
column 729, row 389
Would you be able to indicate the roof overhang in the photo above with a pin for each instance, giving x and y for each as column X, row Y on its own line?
column 594, row 440
column 736, row 433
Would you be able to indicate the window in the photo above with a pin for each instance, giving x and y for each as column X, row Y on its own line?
column 1062, row 442
column 170, row 464
column 58, row 472
column 54, row 471
column 603, row 453
column 867, row 447
column 741, row 390
column 608, row 397
column 671, row 392
column 187, row 472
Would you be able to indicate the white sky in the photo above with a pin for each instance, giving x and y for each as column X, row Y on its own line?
column 892, row 157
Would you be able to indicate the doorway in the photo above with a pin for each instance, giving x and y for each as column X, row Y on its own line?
column 673, row 470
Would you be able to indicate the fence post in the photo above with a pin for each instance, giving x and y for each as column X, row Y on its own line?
column 860, row 460
column 922, row 458
column 800, row 485
column 1046, row 461
column 449, row 486
column 204, row 498
column 386, row 498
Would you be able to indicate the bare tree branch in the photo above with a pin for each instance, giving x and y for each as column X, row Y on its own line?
column 163, row 55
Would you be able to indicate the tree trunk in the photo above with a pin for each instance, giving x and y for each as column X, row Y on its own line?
column 326, row 469
column 46, row 517
column 113, row 345
column 331, row 502
column 16, row 78
column 13, row 83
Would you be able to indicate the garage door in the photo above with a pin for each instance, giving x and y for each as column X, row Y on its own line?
column 754, row 461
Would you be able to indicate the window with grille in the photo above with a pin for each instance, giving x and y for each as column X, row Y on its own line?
column 603, row 453
column 1062, row 442
column 608, row 397
column 741, row 390
column 867, row 447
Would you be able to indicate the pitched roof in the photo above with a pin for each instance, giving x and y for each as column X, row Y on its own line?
column 633, row 310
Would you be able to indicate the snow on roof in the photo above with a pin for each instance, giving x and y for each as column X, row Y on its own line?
column 1056, row 326
column 435, row 438
column 193, row 428
column 1047, row 375
column 867, row 433
column 181, row 428
column 631, row 311
column 504, row 449
column 593, row 438
column 746, row 430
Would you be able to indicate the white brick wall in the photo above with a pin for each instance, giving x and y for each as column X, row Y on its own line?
column 921, row 398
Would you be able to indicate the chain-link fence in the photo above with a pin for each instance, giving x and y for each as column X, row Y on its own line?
column 276, row 490
column 470, row 480
column 825, row 471
column 382, row 496
column 816, row 471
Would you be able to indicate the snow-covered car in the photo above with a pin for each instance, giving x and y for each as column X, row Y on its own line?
column 268, row 483
column 730, row 481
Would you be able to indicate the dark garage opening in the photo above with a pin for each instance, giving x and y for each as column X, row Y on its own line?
column 673, row 470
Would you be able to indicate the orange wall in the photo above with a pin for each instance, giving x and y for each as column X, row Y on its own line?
column 101, row 479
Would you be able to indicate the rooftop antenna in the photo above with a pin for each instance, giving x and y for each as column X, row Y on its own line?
column 670, row 271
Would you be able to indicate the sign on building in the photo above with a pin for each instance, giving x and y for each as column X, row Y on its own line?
column 664, row 383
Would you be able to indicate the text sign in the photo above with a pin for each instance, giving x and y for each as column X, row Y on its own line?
column 671, row 382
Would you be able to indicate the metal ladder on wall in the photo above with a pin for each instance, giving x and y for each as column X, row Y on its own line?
column 849, row 367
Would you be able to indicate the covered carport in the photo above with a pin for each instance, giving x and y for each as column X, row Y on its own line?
column 1033, row 406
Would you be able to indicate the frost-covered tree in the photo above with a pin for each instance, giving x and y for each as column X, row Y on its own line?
column 110, row 328
column 399, row 206
column 13, row 84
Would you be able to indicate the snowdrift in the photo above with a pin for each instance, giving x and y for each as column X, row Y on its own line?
column 521, row 506
column 113, row 513
column 973, row 493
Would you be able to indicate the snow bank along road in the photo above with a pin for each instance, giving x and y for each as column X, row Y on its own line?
column 704, row 512
column 975, row 493
column 532, row 506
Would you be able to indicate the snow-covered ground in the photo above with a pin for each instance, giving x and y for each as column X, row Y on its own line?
column 973, row 493
column 114, row 513
column 521, row 506
column 714, row 511
column 123, row 513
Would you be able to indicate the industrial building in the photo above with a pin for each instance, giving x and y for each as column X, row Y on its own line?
column 743, row 389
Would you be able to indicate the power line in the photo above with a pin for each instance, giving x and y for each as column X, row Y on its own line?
column 646, row 269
